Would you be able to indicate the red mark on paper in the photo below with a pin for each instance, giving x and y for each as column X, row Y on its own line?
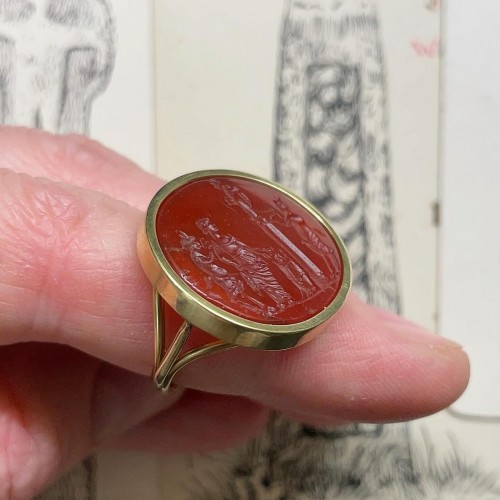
column 426, row 49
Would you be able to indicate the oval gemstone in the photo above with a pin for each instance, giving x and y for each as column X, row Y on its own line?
column 249, row 249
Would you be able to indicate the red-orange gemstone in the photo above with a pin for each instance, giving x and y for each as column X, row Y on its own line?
column 249, row 249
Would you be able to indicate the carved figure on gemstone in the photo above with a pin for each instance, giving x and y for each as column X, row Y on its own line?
column 309, row 237
column 235, row 197
column 251, row 266
column 296, row 275
column 268, row 220
column 206, row 260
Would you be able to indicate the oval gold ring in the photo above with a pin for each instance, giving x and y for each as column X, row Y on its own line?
column 241, row 258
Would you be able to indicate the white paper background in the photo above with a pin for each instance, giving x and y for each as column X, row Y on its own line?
column 123, row 117
column 470, row 250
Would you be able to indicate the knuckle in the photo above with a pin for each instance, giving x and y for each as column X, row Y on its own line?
column 78, row 151
column 69, row 258
column 41, row 224
column 69, row 158
column 38, row 214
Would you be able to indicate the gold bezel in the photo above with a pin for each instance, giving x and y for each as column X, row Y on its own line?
column 212, row 319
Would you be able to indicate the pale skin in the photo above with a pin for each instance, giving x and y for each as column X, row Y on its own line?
column 71, row 282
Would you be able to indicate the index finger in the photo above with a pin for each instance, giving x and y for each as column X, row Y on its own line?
column 70, row 275
column 76, row 160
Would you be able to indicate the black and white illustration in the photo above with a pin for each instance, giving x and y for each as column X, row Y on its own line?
column 392, row 462
column 331, row 141
column 56, row 58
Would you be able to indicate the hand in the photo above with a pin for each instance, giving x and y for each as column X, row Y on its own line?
column 76, row 334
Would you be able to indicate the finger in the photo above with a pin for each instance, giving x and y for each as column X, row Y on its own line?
column 69, row 271
column 367, row 366
column 69, row 263
column 57, row 404
column 199, row 422
column 76, row 160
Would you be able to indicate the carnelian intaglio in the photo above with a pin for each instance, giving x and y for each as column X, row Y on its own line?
column 249, row 249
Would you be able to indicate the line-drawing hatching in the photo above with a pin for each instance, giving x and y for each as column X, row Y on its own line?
column 56, row 58
column 331, row 142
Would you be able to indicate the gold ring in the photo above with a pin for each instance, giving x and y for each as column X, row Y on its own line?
column 241, row 258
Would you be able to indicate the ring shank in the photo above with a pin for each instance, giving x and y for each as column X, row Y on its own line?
column 168, row 361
